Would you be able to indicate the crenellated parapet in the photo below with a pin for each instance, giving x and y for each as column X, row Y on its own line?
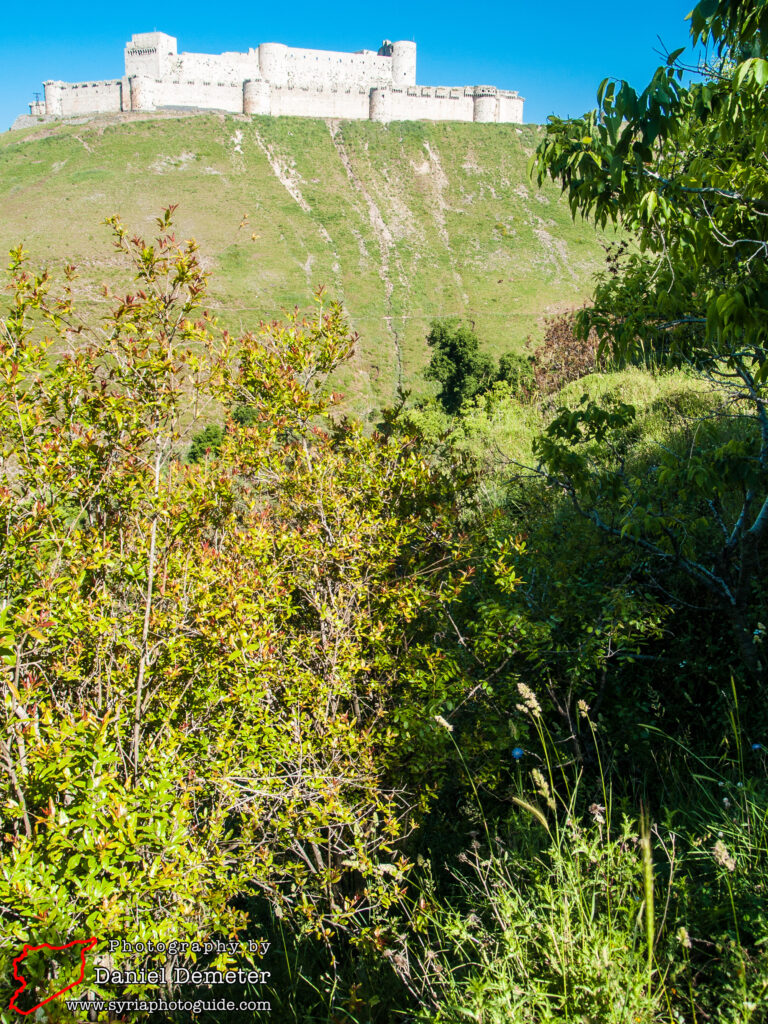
column 276, row 79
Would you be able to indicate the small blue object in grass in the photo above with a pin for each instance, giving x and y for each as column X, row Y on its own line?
column 757, row 746
column 517, row 753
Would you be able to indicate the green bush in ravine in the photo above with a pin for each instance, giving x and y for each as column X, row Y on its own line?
column 457, row 363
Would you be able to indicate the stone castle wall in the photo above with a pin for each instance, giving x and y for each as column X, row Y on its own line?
column 279, row 80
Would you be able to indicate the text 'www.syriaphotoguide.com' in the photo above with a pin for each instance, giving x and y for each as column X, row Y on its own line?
column 154, row 1005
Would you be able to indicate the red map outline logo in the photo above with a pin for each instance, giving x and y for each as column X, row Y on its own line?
column 87, row 945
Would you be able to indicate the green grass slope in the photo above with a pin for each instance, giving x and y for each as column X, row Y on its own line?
column 403, row 222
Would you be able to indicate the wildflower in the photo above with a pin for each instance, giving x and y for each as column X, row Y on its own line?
column 583, row 708
column 530, row 703
column 441, row 721
column 517, row 753
column 598, row 813
column 684, row 938
column 726, row 802
column 757, row 746
column 722, row 856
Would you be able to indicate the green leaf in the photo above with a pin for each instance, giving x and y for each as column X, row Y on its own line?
column 706, row 8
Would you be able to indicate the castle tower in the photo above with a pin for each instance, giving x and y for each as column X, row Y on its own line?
column 485, row 104
column 150, row 54
column 380, row 108
column 142, row 93
column 256, row 96
column 403, row 64
column 53, row 98
column 273, row 63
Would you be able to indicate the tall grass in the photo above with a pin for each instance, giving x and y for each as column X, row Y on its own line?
column 588, row 913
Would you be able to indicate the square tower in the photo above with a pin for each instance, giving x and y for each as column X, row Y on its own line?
column 150, row 54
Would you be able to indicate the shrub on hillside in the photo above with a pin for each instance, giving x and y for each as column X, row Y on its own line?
column 218, row 680
column 564, row 355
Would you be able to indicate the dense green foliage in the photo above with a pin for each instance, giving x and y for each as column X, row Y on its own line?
column 205, row 666
column 464, row 371
column 269, row 694
column 676, row 164
column 466, row 714
column 457, row 363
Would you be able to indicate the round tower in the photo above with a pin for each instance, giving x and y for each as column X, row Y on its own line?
column 485, row 104
column 273, row 63
column 380, row 105
column 142, row 93
column 256, row 96
column 403, row 64
column 53, row 98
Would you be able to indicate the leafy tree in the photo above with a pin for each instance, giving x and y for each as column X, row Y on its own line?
column 675, row 164
column 457, row 363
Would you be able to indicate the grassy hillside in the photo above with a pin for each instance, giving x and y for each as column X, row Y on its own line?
column 404, row 222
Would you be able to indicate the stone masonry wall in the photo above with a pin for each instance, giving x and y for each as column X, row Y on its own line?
column 65, row 98
column 310, row 68
column 280, row 80
column 352, row 104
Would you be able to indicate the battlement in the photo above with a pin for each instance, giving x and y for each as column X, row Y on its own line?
column 276, row 79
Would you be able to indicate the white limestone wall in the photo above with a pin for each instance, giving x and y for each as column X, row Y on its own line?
column 206, row 67
column 344, row 103
column 416, row 103
column 290, row 66
column 441, row 103
column 66, row 98
column 281, row 80
column 211, row 94
column 425, row 103
column 510, row 108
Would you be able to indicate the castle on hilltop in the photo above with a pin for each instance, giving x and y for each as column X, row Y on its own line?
column 379, row 85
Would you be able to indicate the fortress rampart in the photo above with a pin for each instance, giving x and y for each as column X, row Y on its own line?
column 379, row 85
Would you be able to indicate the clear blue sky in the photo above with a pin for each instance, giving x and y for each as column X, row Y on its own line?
column 554, row 53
